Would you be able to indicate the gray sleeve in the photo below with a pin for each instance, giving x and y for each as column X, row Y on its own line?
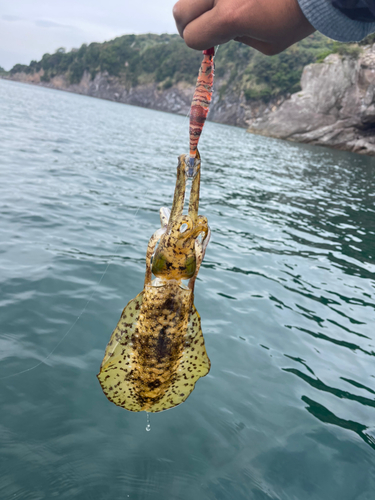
column 332, row 23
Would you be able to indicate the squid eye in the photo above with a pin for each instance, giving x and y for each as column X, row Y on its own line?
column 183, row 227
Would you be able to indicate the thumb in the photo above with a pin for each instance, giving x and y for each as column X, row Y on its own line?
column 185, row 11
column 209, row 29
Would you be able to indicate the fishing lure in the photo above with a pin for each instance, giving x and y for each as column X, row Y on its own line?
column 201, row 100
column 157, row 353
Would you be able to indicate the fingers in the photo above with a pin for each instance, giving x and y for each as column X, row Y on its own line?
column 266, row 48
column 268, row 26
column 213, row 27
column 185, row 11
column 205, row 23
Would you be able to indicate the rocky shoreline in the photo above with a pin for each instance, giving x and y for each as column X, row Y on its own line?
column 335, row 108
column 230, row 109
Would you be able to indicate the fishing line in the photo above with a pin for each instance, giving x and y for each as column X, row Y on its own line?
column 66, row 334
column 180, row 129
column 177, row 132
column 71, row 326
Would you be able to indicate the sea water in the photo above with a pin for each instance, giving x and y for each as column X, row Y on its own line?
column 286, row 295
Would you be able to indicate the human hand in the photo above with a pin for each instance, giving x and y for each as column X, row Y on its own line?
column 269, row 26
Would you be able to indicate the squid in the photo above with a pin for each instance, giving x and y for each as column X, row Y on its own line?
column 157, row 351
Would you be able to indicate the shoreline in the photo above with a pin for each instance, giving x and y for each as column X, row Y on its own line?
column 335, row 108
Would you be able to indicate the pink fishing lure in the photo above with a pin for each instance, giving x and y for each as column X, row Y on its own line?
column 201, row 100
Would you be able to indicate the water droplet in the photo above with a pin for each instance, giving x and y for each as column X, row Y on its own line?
column 148, row 426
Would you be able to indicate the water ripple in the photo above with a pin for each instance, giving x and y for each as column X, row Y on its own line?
column 289, row 275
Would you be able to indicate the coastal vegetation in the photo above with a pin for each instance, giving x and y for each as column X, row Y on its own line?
column 166, row 60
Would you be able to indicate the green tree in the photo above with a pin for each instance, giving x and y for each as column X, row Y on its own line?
column 166, row 60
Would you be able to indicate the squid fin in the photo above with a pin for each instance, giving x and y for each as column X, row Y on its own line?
column 115, row 370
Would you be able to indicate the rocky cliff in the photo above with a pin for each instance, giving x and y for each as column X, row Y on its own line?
column 176, row 99
column 336, row 106
column 231, row 109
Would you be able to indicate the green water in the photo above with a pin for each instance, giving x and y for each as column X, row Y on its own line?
column 286, row 295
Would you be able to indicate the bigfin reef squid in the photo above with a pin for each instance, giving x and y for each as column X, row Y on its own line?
column 157, row 352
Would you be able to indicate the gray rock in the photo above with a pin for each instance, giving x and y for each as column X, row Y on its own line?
column 336, row 106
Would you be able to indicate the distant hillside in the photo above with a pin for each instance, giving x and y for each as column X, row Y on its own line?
column 334, row 106
column 166, row 60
